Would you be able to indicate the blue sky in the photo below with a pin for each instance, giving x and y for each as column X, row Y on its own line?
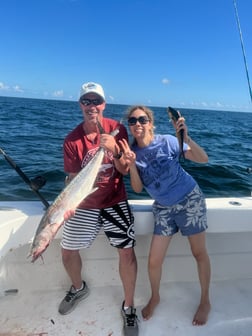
column 183, row 53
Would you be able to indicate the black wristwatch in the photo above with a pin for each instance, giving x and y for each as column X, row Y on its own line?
column 118, row 156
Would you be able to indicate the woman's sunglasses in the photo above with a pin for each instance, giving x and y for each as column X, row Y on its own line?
column 142, row 120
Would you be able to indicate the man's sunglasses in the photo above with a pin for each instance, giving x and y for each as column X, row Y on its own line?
column 87, row 102
column 142, row 120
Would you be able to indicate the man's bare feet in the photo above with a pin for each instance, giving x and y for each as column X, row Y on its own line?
column 201, row 315
column 148, row 310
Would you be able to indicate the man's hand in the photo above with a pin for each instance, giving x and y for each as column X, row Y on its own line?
column 68, row 214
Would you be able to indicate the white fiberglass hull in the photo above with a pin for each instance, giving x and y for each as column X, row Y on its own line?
column 42, row 285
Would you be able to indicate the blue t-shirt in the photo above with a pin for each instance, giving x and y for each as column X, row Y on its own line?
column 160, row 171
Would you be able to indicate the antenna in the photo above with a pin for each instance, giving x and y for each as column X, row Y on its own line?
column 243, row 50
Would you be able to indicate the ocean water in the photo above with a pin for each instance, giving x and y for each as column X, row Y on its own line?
column 32, row 133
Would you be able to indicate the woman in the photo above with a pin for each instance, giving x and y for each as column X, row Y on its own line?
column 179, row 204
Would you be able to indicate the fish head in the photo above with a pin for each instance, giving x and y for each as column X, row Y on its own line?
column 37, row 252
column 42, row 240
column 173, row 114
column 38, row 247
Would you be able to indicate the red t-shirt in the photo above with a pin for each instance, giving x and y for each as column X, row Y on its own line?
column 78, row 151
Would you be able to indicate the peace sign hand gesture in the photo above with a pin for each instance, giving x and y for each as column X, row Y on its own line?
column 128, row 155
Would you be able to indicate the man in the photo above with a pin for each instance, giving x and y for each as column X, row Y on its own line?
column 107, row 207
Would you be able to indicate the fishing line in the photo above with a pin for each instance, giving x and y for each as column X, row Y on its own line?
column 243, row 50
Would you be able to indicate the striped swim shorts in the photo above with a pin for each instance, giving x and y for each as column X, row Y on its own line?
column 117, row 222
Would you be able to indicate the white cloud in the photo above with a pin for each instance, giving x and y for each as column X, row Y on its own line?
column 17, row 88
column 58, row 93
column 3, row 86
column 165, row 81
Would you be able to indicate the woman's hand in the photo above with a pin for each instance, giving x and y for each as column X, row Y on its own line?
column 130, row 159
column 128, row 155
column 180, row 125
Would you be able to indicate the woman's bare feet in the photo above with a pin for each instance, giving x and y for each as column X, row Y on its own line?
column 201, row 314
column 148, row 310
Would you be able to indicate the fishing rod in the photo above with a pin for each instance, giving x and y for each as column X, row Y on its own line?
column 242, row 46
column 34, row 184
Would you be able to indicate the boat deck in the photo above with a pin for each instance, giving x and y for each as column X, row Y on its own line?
column 34, row 313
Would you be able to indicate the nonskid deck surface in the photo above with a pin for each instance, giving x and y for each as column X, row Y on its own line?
column 35, row 313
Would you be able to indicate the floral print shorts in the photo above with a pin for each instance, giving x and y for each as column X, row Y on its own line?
column 188, row 217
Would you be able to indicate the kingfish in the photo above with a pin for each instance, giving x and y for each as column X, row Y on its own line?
column 175, row 115
column 71, row 196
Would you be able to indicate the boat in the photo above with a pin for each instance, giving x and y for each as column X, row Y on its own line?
column 30, row 292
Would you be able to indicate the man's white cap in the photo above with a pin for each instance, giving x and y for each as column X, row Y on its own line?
column 91, row 87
